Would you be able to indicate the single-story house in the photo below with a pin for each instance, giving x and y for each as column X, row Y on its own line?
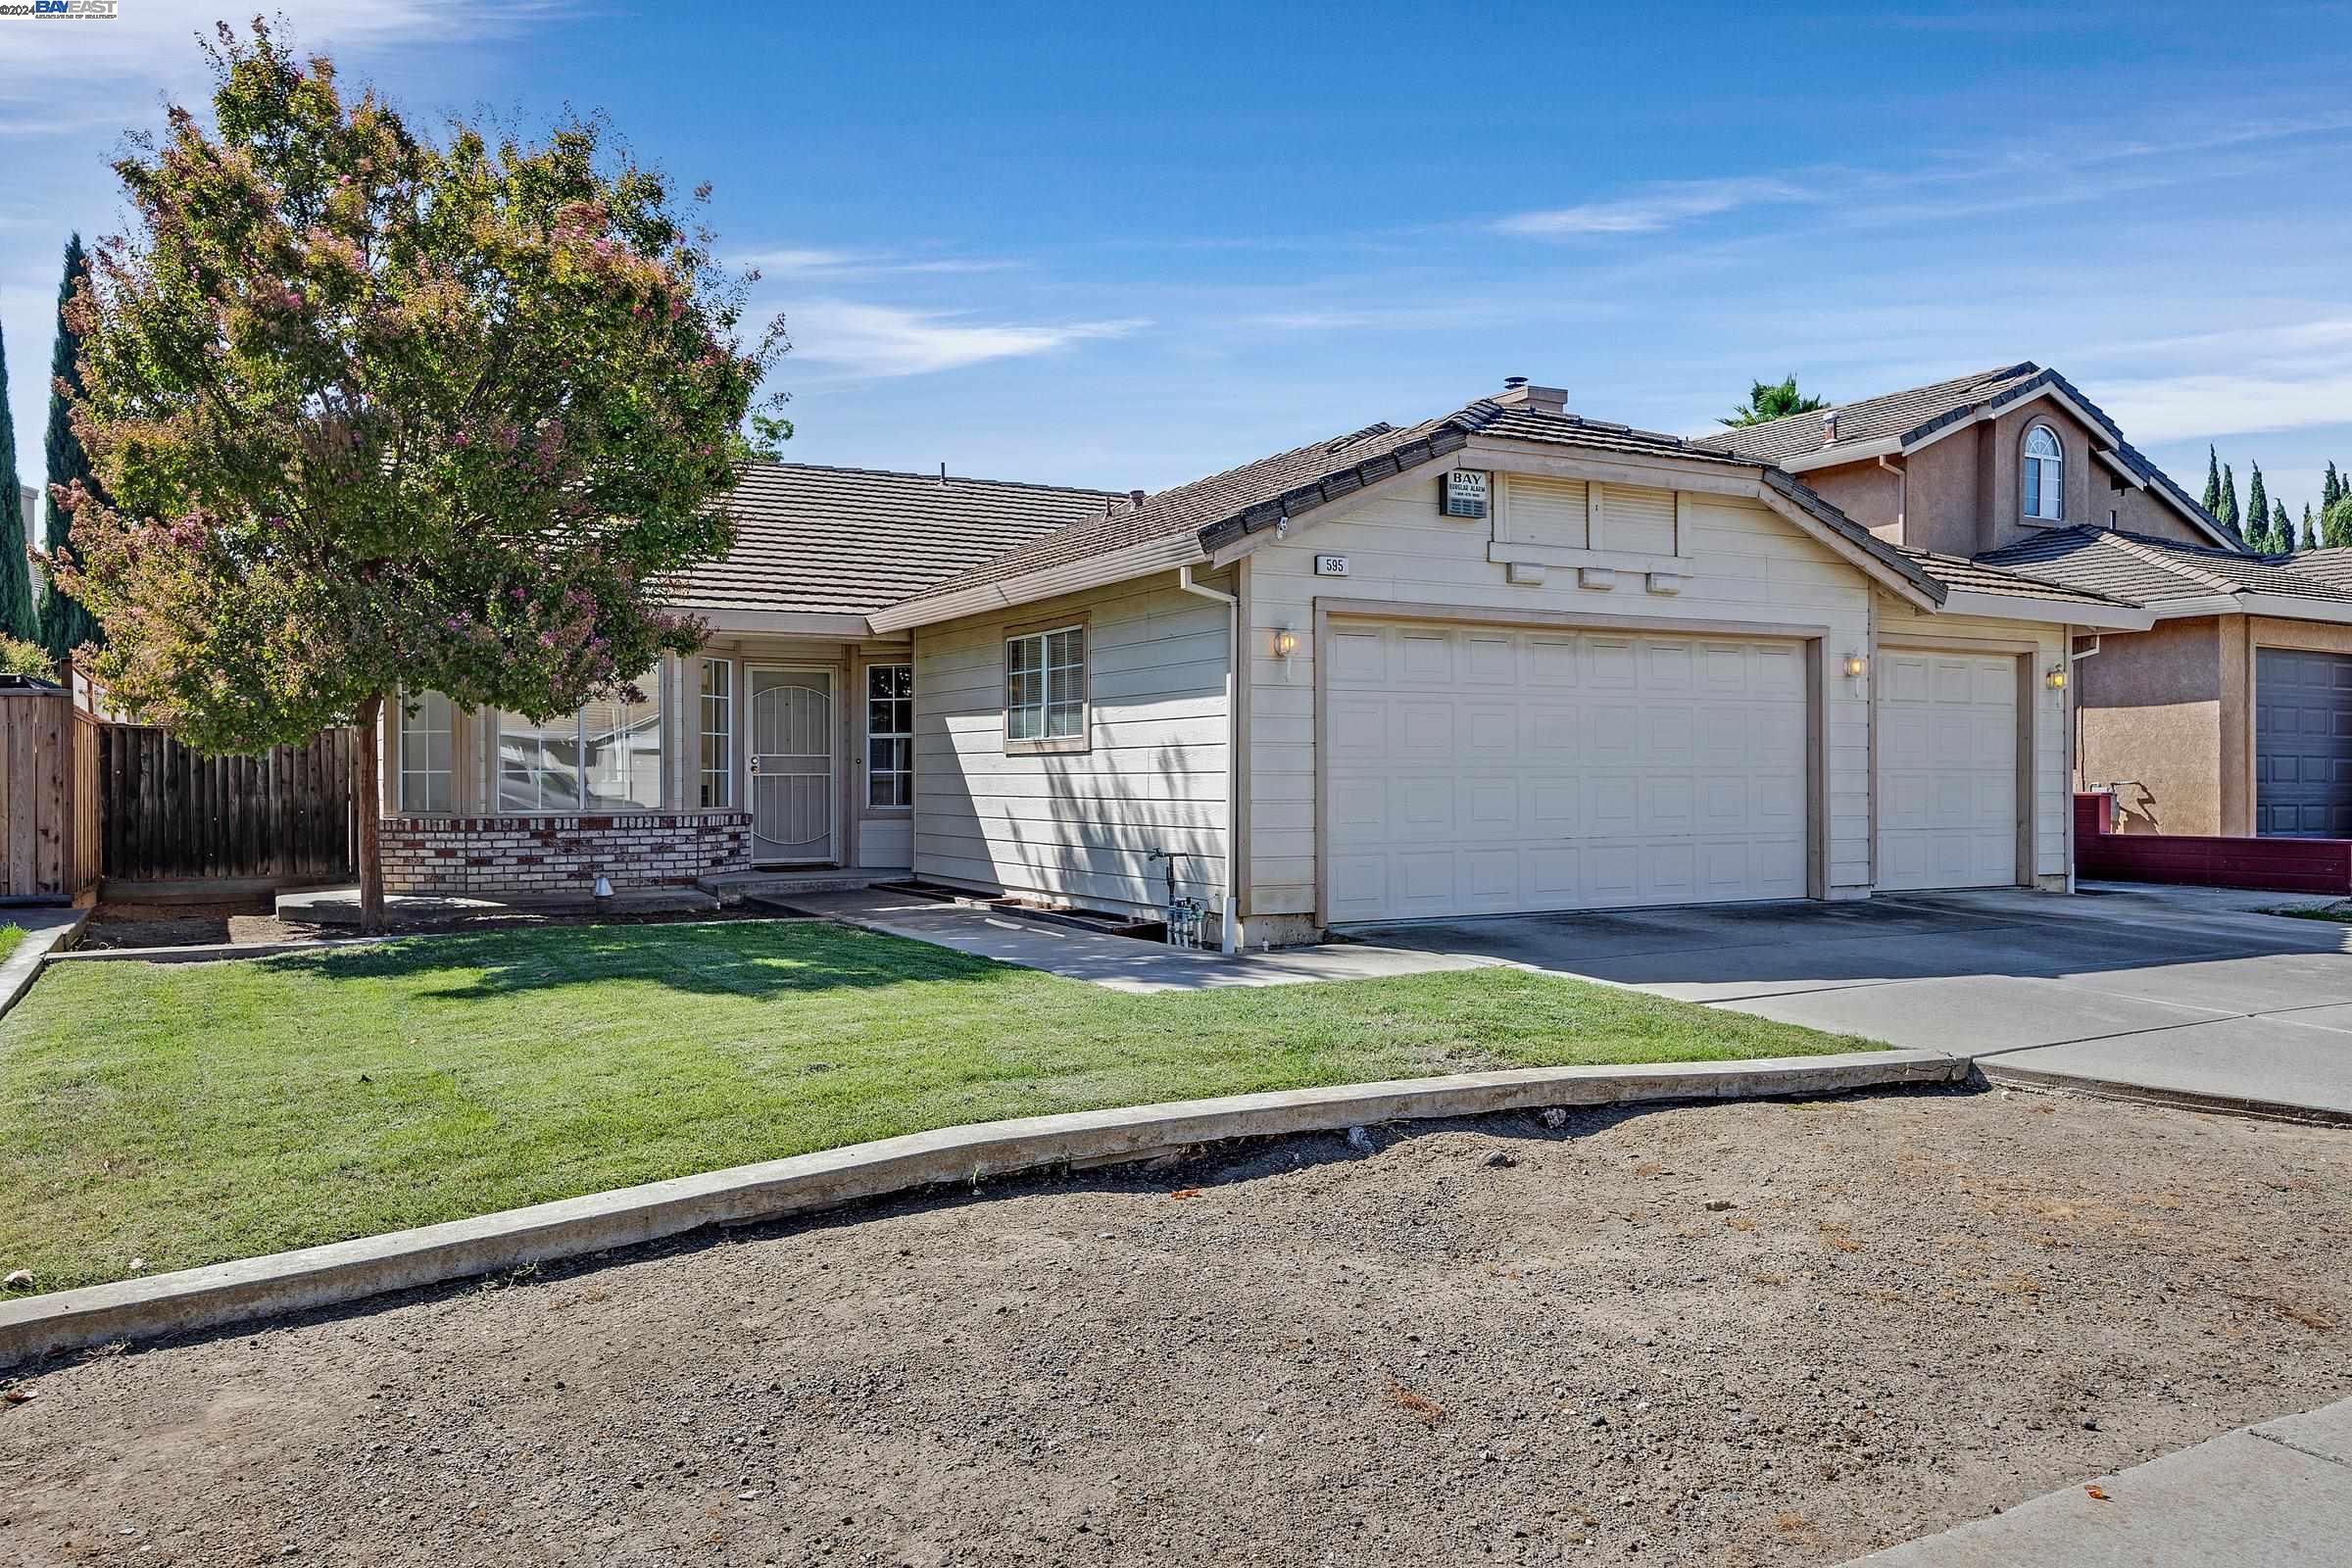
column 1506, row 659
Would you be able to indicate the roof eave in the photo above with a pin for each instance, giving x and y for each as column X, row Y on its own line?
column 1885, row 446
column 1075, row 576
column 2057, row 611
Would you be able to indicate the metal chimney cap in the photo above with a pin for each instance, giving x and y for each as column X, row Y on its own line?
column 1511, row 383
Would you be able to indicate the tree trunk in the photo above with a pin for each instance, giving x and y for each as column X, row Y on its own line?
column 369, row 761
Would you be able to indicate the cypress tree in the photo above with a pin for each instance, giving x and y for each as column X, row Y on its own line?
column 2227, row 509
column 2335, row 524
column 2213, row 482
column 2258, row 504
column 64, row 624
column 17, row 617
column 2332, row 490
column 2283, row 529
column 2311, row 530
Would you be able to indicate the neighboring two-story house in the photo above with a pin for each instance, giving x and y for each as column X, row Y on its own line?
column 2232, row 713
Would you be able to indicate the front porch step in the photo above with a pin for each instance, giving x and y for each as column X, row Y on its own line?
column 733, row 887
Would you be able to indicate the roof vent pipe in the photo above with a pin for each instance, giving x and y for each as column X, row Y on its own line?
column 1135, row 498
column 1828, row 426
column 943, row 474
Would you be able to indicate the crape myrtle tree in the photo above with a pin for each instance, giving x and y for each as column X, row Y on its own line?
column 373, row 414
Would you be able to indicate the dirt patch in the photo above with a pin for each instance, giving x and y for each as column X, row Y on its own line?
column 1725, row 1335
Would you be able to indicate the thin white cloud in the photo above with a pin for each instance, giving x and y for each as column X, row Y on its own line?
column 1983, row 182
column 2208, row 404
column 798, row 262
column 884, row 340
column 152, row 44
column 1660, row 206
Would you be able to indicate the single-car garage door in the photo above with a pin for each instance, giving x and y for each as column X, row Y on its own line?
column 2302, row 744
column 1947, row 770
column 1482, row 770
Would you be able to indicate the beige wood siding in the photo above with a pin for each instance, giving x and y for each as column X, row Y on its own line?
column 1745, row 564
column 2042, row 723
column 1076, row 827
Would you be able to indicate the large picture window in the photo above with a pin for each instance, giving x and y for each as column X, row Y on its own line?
column 2044, row 479
column 717, row 734
column 1045, row 685
column 605, row 758
column 890, row 734
column 427, row 775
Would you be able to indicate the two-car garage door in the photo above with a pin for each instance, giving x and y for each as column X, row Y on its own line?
column 1482, row 770
column 1488, row 770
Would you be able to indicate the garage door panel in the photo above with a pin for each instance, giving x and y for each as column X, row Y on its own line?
column 1947, row 797
column 2302, row 743
column 1490, row 728
column 1612, row 771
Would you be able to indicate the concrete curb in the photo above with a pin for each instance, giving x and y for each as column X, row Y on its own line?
column 347, row 1271
column 2035, row 1080
column 24, row 965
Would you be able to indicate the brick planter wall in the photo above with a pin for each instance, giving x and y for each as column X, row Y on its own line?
column 507, row 856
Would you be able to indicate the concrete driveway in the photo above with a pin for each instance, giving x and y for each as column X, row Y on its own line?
column 2168, row 991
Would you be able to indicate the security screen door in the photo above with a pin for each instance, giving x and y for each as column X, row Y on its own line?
column 792, row 765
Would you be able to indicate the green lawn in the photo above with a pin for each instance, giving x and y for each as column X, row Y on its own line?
column 189, row 1114
column 10, row 936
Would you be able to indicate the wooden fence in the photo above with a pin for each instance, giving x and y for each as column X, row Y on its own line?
column 171, row 812
column 49, row 838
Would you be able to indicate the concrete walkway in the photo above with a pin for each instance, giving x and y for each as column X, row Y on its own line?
column 1122, row 963
column 2278, row 1495
column 2169, row 992
column 44, row 930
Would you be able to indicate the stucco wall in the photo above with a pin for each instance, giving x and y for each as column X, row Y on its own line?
column 2150, row 711
column 1076, row 827
column 1962, row 495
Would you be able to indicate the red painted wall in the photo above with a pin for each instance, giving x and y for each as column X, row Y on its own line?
column 2281, row 866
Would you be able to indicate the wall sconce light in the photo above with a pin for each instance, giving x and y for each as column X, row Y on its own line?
column 1855, row 664
column 1285, row 643
column 2056, row 677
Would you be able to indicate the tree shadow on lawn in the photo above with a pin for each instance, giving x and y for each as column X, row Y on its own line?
column 752, row 959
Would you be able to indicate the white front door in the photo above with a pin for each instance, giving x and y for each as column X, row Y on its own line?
column 1485, row 770
column 793, row 780
column 1948, row 769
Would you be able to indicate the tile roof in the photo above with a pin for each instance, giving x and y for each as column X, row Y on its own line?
column 1921, row 410
column 816, row 540
column 1225, row 506
column 1906, row 414
column 2141, row 569
column 1964, row 575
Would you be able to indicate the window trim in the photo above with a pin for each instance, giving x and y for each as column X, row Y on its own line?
column 866, row 804
column 1039, row 631
column 666, row 730
column 400, row 755
column 702, row 732
column 2053, row 494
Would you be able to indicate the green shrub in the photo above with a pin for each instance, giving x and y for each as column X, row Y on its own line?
column 20, row 657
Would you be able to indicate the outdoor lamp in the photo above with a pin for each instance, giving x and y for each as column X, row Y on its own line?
column 1285, row 643
column 2057, row 677
column 1855, row 664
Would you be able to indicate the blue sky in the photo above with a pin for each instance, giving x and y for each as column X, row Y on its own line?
column 1123, row 247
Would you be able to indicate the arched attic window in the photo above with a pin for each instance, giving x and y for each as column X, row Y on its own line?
column 2043, row 484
